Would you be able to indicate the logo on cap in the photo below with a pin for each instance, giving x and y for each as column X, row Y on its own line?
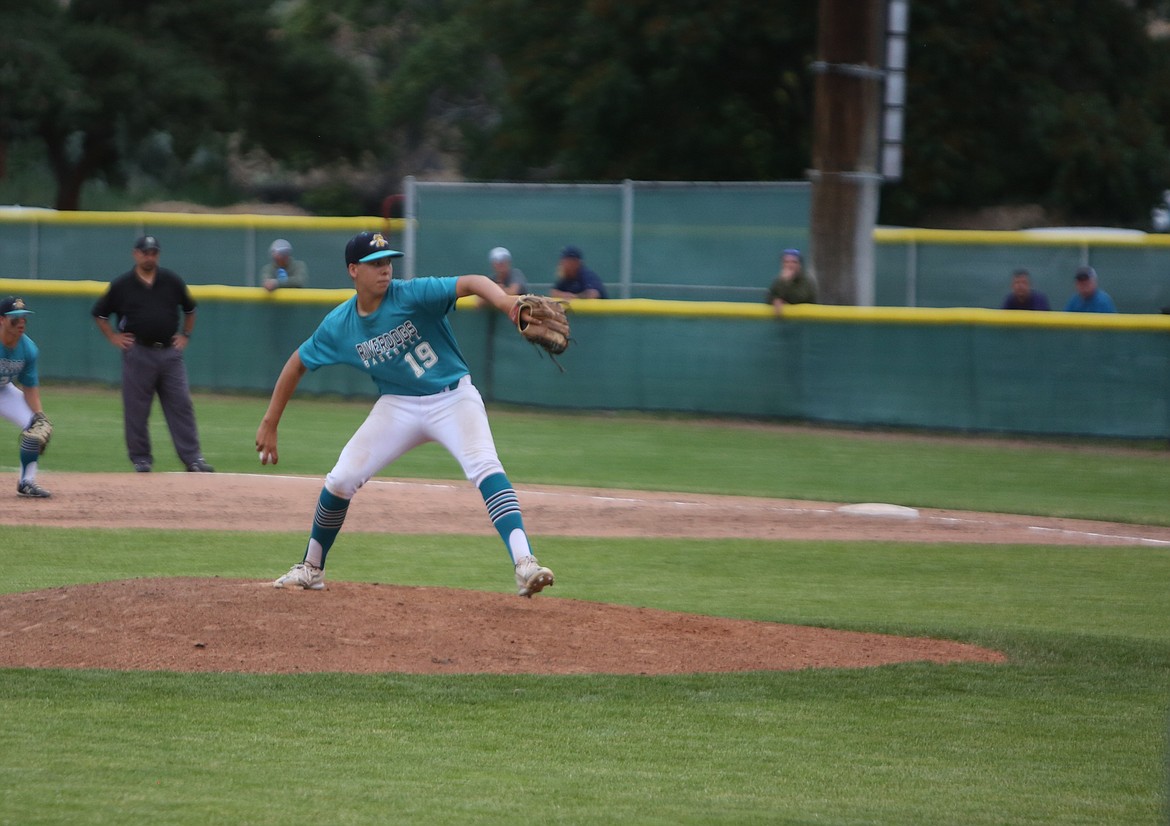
column 13, row 306
column 366, row 247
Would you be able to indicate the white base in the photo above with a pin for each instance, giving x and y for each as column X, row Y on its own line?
column 879, row 509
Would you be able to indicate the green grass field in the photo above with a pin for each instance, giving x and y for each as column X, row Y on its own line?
column 1073, row 730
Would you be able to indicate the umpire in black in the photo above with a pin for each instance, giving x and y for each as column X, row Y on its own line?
column 146, row 301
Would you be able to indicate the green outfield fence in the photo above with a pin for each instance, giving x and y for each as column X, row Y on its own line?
column 960, row 369
column 646, row 239
column 722, row 242
column 674, row 241
column 951, row 268
column 204, row 249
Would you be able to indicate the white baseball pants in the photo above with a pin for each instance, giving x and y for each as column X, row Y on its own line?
column 456, row 419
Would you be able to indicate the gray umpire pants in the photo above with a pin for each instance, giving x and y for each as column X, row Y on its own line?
column 147, row 371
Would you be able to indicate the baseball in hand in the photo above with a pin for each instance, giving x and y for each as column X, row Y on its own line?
column 266, row 459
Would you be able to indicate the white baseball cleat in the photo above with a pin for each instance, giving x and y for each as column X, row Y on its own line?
column 302, row 575
column 531, row 577
column 32, row 490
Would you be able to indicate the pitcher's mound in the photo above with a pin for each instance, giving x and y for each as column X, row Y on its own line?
column 226, row 625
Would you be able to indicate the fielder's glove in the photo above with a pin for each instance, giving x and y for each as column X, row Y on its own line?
column 542, row 321
column 39, row 431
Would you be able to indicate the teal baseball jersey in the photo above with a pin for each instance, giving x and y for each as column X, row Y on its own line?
column 406, row 346
column 19, row 364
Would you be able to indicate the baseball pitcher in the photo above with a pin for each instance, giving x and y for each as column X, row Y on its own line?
column 397, row 332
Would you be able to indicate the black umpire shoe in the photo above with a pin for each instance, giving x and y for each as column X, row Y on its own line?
column 200, row 466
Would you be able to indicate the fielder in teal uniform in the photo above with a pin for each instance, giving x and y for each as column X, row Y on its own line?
column 397, row 332
column 18, row 404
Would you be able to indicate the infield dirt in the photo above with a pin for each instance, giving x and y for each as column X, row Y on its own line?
column 233, row 625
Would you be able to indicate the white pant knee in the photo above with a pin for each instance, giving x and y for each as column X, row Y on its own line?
column 341, row 486
column 478, row 470
column 13, row 406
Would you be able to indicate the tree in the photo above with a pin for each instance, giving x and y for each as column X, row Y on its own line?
column 427, row 63
column 1009, row 101
column 651, row 89
column 32, row 71
column 127, row 71
column 1025, row 101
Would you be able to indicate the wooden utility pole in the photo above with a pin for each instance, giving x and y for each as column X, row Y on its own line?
column 845, row 177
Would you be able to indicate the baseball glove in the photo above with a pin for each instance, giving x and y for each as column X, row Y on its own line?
column 542, row 321
column 39, row 430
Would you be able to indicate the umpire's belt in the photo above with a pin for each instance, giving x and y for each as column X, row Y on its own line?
column 156, row 345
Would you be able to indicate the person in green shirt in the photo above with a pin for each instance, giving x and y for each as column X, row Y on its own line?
column 283, row 270
column 792, row 284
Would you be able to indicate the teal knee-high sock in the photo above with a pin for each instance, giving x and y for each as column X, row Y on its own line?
column 504, row 510
column 30, row 452
column 327, row 521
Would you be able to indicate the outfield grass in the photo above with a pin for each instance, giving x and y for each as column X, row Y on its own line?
column 1072, row 730
column 1043, row 477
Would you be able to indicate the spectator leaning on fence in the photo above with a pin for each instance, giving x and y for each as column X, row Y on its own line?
column 792, row 284
column 283, row 270
column 1022, row 296
column 510, row 278
column 574, row 279
column 1089, row 297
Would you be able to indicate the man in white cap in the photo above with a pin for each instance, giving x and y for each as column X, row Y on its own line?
column 510, row 279
column 283, row 270
column 21, row 404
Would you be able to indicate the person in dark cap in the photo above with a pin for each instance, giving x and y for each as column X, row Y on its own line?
column 574, row 279
column 792, row 285
column 1023, row 296
column 1089, row 297
column 397, row 333
column 20, row 404
column 147, row 301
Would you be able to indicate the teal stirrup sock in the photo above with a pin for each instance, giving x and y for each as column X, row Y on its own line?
column 502, row 505
column 327, row 521
column 30, row 453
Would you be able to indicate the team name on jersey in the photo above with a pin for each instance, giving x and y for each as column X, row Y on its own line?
column 9, row 368
column 388, row 345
